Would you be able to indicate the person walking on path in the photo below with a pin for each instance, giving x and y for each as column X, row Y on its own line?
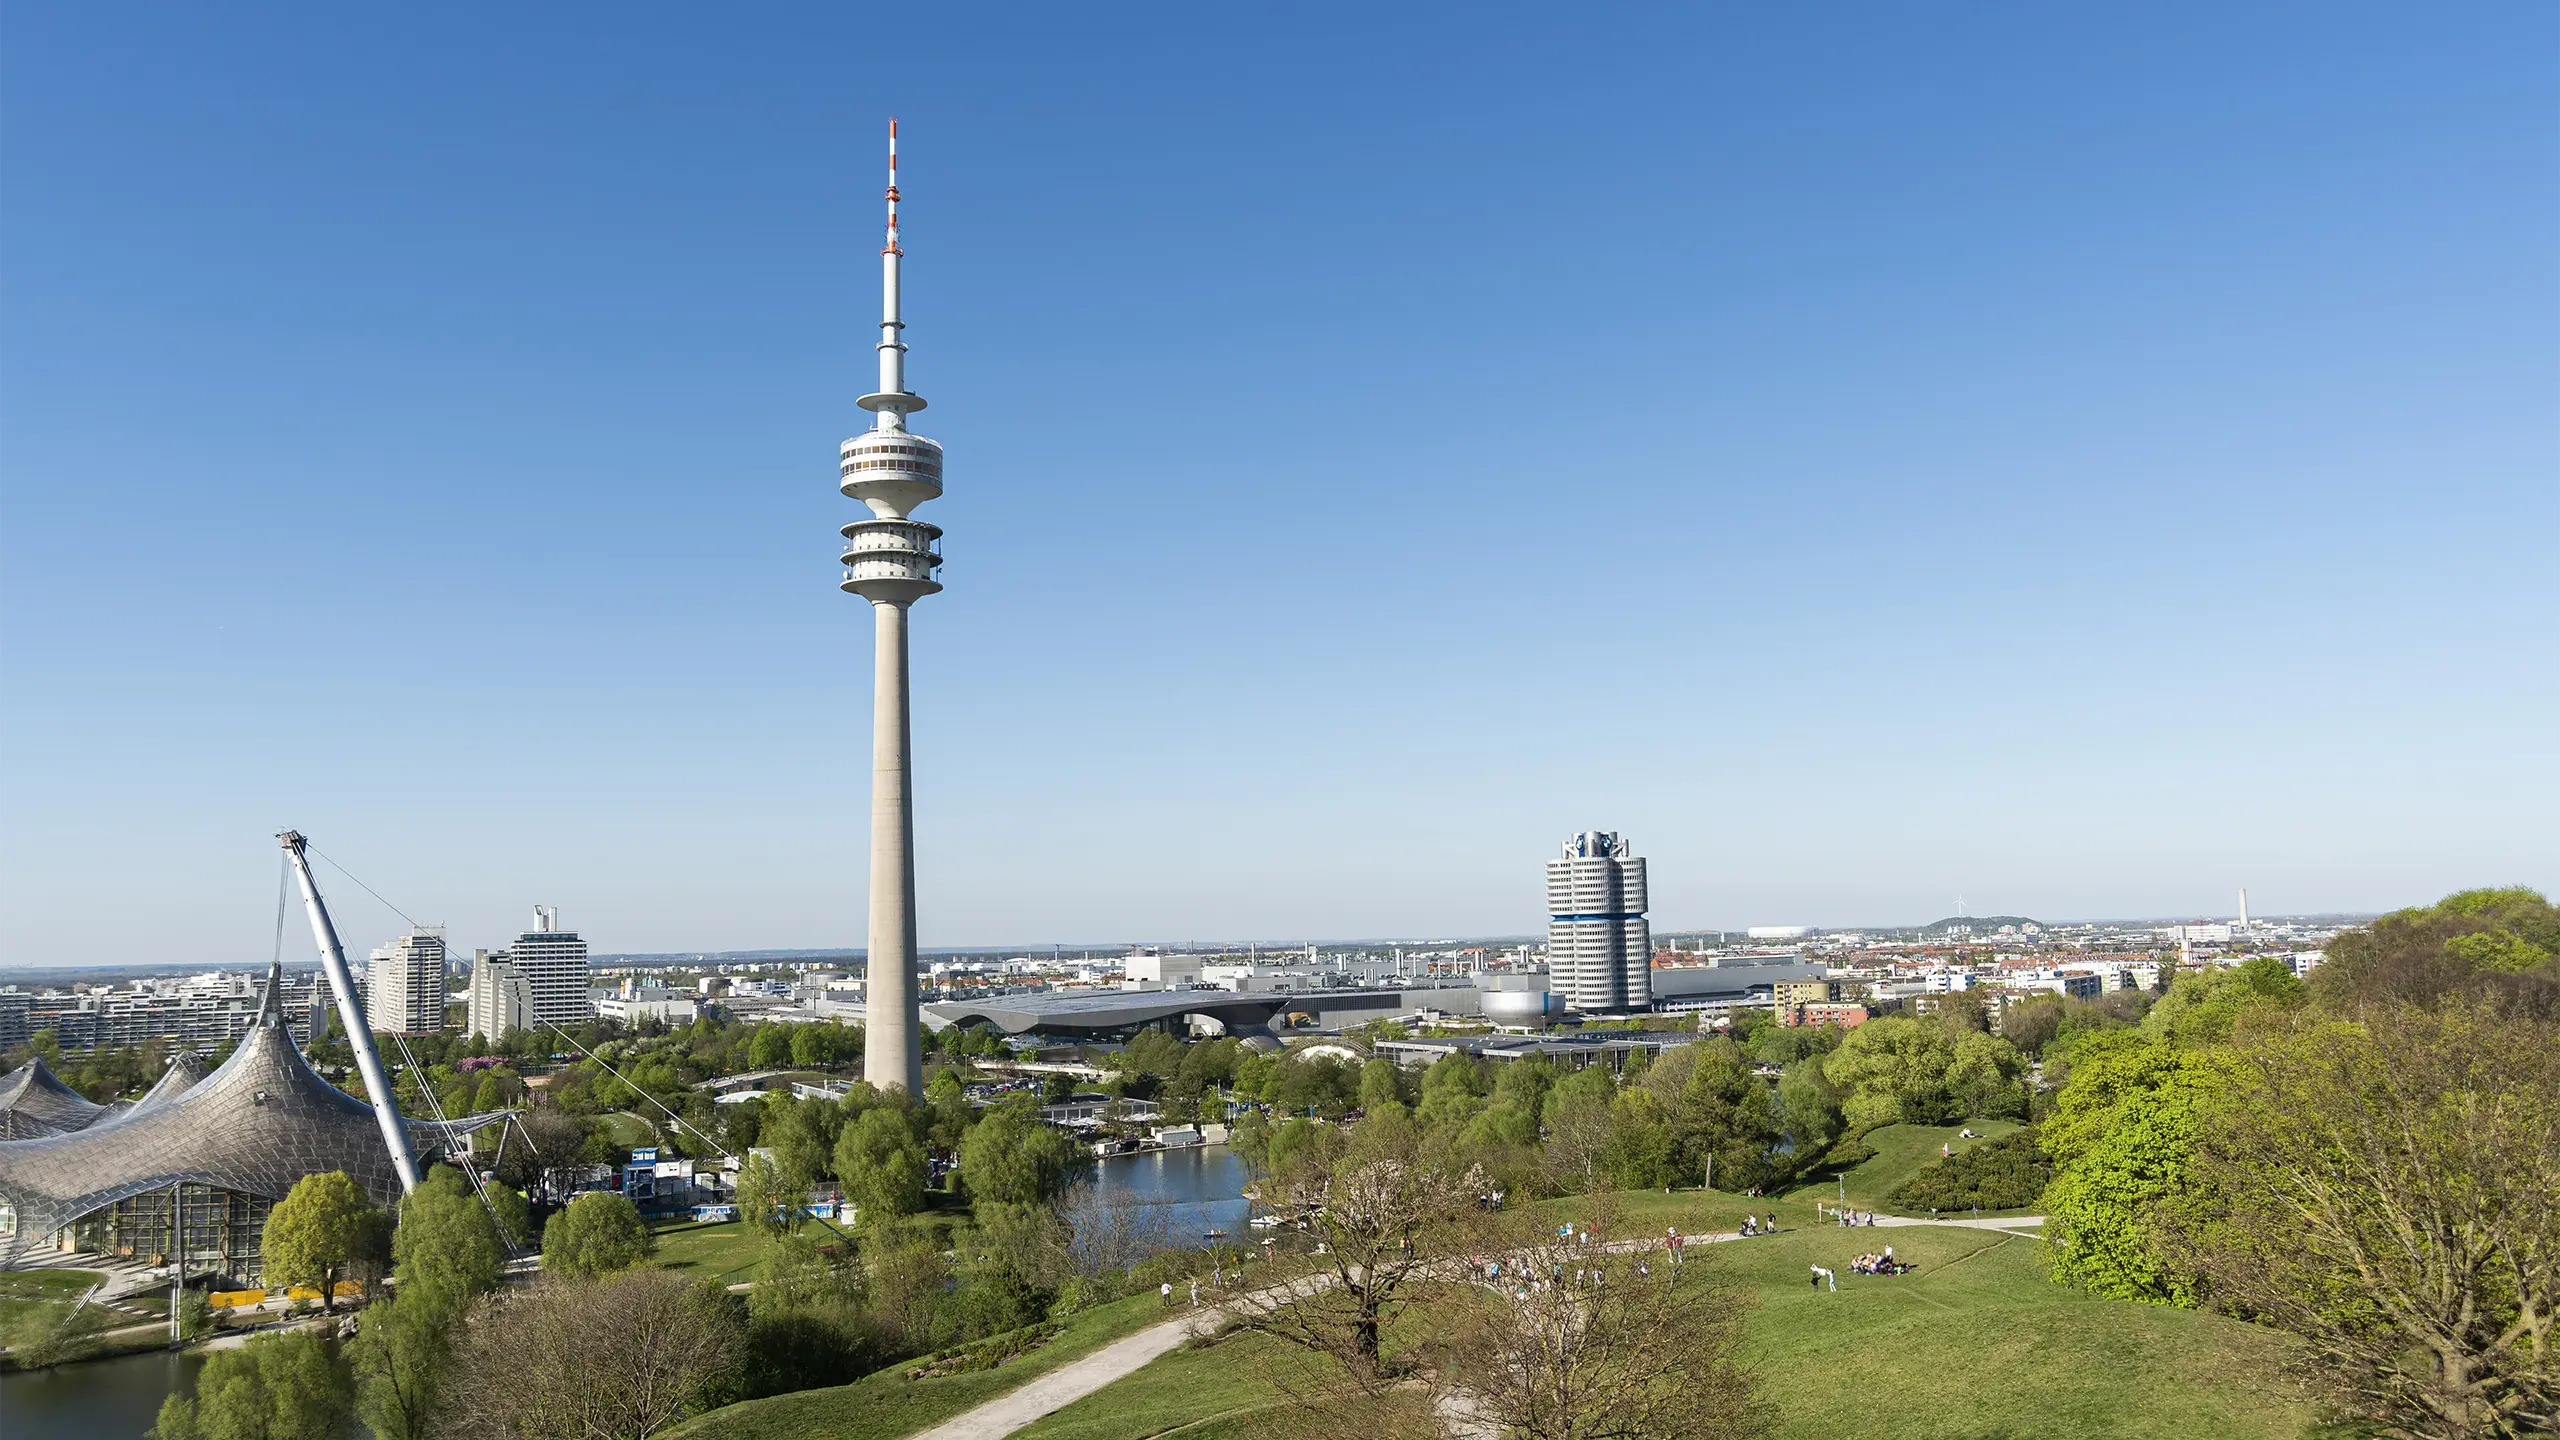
column 1166, row 1290
column 1195, row 1294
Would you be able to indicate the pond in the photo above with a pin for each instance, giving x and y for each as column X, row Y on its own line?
column 1204, row 1186
column 95, row 1399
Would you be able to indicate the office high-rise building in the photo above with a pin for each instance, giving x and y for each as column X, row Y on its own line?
column 404, row 986
column 500, row 999
column 1599, row 948
column 553, row 962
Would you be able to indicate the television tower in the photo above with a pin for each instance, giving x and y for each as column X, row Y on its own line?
column 889, row 560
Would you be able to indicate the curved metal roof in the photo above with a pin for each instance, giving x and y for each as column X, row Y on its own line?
column 181, row 1076
column 34, row 1103
column 261, row 1121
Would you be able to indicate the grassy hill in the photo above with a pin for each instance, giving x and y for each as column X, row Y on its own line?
column 1977, row 1345
column 1902, row 1151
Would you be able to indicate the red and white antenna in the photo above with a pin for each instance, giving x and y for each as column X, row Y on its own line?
column 892, row 247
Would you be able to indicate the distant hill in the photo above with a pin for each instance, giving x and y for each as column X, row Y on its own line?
column 1982, row 924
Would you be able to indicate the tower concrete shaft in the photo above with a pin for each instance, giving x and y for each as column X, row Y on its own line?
column 893, row 1052
column 890, row 561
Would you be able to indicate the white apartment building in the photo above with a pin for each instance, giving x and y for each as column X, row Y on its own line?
column 554, row 962
column 404, row 986
column 1599, row 945
column 500, row 999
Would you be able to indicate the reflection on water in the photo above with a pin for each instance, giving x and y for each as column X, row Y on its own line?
column 94, row 1400
column 1203, row 1185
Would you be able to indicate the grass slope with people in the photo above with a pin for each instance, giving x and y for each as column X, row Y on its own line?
column 1976, row 1342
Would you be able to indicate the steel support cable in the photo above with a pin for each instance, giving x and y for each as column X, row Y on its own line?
column 369, row 890
column 435, row 1107
column 654, row 1100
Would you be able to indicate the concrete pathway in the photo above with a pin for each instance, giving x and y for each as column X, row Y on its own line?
column 1997, row 1222
column 1070, row 1382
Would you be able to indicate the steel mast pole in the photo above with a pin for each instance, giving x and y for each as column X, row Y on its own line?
column 333, row 960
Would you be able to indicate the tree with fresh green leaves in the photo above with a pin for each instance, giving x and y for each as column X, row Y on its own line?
column 883, row 1165
column 1808, row 1109
column 598, row 1233
column 275, row 1387
column 446, row 1240
column 1381, row 1081
column 806, row 1321
column 2502, row 942
column 802, row 1135
column 1453, row 1090
column 1012, row 1157
column 316, row 1233
column 2390, row 1191
column 1579, row 1126
column 767, row 1200
column 402, row 1355
column 2123, row 1139
column 771, row 1049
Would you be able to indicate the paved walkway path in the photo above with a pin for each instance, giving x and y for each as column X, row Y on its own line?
column 1070, row 1382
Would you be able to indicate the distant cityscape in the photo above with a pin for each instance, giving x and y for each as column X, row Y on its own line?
column 1598, row 962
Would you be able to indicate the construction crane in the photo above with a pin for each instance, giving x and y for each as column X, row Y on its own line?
column 333, row 961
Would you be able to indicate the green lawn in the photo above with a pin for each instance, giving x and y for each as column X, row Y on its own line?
column 727, row 1251
column 34, row 1303
column 628, row 1129
column 1902, row 1151
column 887, row 1405
column 1977, row 1345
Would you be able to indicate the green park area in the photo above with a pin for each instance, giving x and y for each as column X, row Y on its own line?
column 1976, row 1342
column 727, row 1252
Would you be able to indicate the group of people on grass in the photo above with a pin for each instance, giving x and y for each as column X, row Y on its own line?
column 1883, row 1264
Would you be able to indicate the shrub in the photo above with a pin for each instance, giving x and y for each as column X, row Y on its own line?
column 2000, row 1174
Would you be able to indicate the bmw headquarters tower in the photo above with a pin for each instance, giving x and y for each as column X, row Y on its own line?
column 1599, row 949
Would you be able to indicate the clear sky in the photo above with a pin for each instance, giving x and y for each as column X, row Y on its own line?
column 2081, row 462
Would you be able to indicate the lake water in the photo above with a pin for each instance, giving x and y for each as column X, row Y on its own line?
column 118, row 1399
column 1203, row 1185
column 94, row 1400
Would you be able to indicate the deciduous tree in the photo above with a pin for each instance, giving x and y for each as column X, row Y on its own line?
column 315, row 1232
column 882, row 1165
column 1577, row 1344
column 624, row 1356
column 600, row 1232
column 1388, row 1226
column 2390, row 1191
column 276, row 1387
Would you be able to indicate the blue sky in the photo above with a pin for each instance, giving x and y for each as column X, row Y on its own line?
column 2080, row 462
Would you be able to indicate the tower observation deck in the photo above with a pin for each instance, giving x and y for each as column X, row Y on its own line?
column 890, row 560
